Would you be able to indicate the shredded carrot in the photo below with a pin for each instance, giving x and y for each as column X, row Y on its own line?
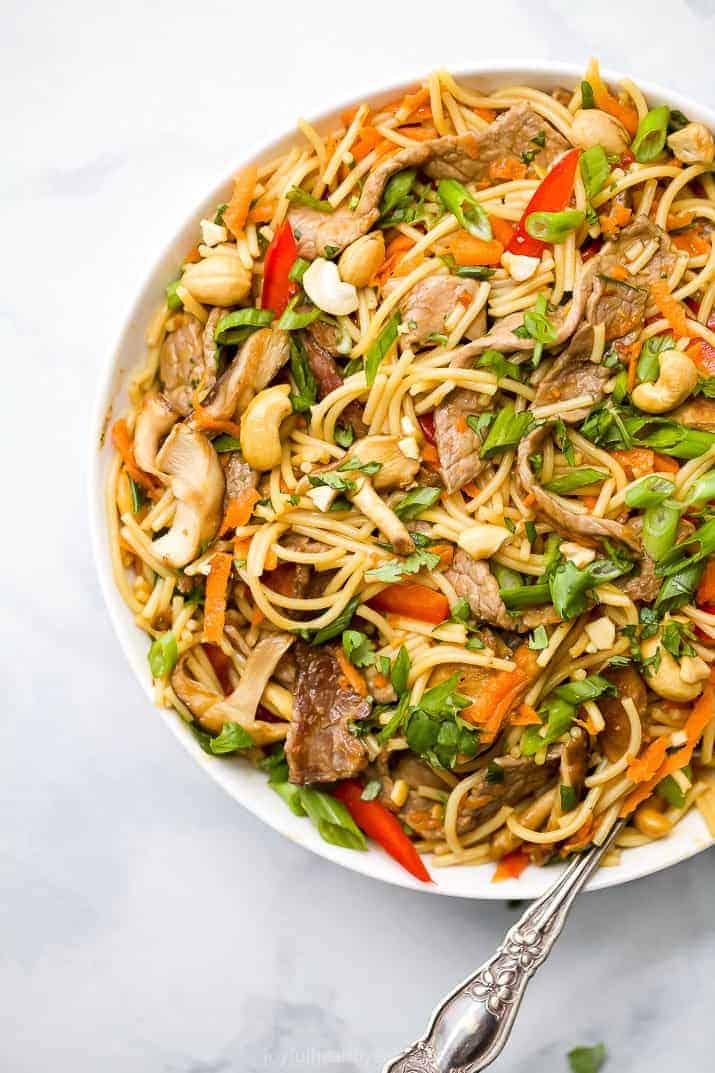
column 529, row 499
column 636, row 461
column 349, row 114
column 366, row 142
column 460, row 423
column 706, row 588
column 262, row 214
column 507, row 167
column 589, row 501
column 445, row 552
column 486, row 114
column 257, row 617
column 510, row 866
column 611, row 224
column 500, row 692
column 419, row 134
column 469, row 250
column 679, row 219
column 214, row 424
column 692, row 242
column 702, row 713
column 352, row 675
column 632, row 372
column 526, row 716
column 192, row 256
column 605, row 100
column 380, row 681
column 502, row 230
column 618, row 272
column 240, row 548
column 215, row 602
column 125, row 446
column 673, row 311
column 236, row 213
column 412, row 600
column 581, row 838
column 411, row 102
column 664, row 464
column 645, row 765
column 239, row 510
column 429, row 453
column 471, row 488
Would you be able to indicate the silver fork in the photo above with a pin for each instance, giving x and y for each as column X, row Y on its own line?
column 470, row 1028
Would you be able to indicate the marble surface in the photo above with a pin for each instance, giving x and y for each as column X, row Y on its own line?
column 148, row 924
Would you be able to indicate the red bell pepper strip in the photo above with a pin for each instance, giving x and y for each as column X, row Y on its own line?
column 510, row 866
column 552, row 195
column 382, row 826
column 427, row 425
column 278, row 289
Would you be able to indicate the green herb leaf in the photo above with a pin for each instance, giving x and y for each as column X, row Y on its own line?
column 558, row 715
column 506, row 431
column 394, row 569
column 568, row 797
column 163, row 655
column 232, row 738
column 235, row 327
column 339, row 624
column 301, row 197
column 495, row 772
column 292, row 321
column 587, row 1059
column 224, row 443
column 570, row 587
column 499, row 365
column 343, row 435
column 358, row 648
column 356, row 465
column 332, row 479
column 416, row 501
column 400, row 671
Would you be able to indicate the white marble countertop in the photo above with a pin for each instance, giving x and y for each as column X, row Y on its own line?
column 149, row 925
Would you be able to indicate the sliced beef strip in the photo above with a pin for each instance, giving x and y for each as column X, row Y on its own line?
column 698, row 413
column 522, row 778
column 319, row 745
column 319, row 342
column 473, row 580
column 239, row 476
column 565, row 521
column 574, row 374
column 426, row 306
column 615, row 737
column 468, row 157
column 417, row 810
column 183, row 363
column 619, row 305
column 457, row 445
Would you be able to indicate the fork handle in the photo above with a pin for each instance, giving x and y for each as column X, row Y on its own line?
column 471, row 1027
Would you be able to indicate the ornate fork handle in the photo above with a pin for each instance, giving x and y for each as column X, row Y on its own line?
column 470, row 1028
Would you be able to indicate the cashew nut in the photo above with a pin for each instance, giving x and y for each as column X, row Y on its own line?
column 324, row 287
column 362, row 258
column 219, row 280
column 592, row 127
column 677, row 378
column 667, row 680
column 482, row 540
column 693, row 144
column 261, row 424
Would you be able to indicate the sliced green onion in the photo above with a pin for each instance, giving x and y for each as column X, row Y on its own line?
column 480, row 272
column 379, row 349
column 172, row 299
column 568, row 797
column 235, row 327
column 469, row 213
column 577, row 478
column 651, row 134
column 660, row 527
column 302, row 197
column 137, row 496
column 648, row 368
column 397, row 189
column 298, row 269
column 554, row 227
column 595, row 169
column 223, row 444
column 587, row 98
column 620, row 386
column 525, row 596
column 678, row 589
column 508, row 579
column 292, row 322
column 671, row 792
column 559, row 716
column 416, row 501
column 649, row 491
column 703, row 490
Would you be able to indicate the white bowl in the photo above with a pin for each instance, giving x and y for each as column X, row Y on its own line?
column 242, row 782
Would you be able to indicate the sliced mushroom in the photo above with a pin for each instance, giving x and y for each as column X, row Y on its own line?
column 241, row 706
column 373, row 507
column 566, row 521
column 263, row 354
column 396, row 469
column 156, row 419
column 196, row 478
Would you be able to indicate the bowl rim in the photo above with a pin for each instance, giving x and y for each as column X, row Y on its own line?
column 112, row 377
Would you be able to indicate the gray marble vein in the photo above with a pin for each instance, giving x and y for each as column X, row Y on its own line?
column 147, row 923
